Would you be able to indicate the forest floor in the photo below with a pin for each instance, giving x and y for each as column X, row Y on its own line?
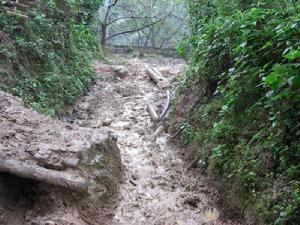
column 159, row 186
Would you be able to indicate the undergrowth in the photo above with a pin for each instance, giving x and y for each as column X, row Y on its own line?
column 245, row 125
column 46, row 59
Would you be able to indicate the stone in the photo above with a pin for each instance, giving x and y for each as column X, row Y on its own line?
column 121, row 71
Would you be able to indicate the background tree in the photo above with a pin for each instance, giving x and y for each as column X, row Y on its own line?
column 155, row 23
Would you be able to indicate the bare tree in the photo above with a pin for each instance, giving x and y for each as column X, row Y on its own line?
column 108, row 4
column 130, row 15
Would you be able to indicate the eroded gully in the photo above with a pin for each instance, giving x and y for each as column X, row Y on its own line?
column 157, row 187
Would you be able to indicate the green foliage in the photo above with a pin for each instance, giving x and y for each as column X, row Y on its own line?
column 49, row 55
column 187, row 133
column 246, row 58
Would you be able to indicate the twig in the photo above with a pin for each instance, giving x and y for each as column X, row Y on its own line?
column 167, row 105
column 191, row 164
column 177, row 133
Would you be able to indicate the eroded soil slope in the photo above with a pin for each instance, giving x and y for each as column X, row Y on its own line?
column 53, row 172
column 158, row 187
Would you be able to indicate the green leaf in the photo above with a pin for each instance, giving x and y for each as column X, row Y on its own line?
column 295, row 81
column 292, row 54
column 271, row 78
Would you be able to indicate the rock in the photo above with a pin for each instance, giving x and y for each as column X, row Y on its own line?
column 179, row 222
column 85, row 106
column 211, row 215
column 121, row 71
column 50, row 223
column 141, row 132
column 107, row 122
column 135, row 176
column 123, row 125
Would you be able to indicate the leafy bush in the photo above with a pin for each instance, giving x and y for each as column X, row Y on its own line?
column 48, row 56
column 247, row 64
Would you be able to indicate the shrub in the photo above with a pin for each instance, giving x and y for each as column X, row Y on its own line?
column 48, row 56
column 248, row 63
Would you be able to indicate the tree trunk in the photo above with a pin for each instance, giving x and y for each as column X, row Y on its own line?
column 103, row 34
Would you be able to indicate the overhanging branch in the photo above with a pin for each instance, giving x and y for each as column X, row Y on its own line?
column 134, row 30
column 113, row 3
column 131, row 17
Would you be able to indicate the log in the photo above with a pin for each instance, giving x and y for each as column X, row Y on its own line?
column 157, row 78
column 158, row 72
column 152, row 112
column 167, row 105
column 37, row 173
column 164, row 80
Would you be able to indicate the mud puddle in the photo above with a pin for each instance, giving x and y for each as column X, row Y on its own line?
column 157, row 188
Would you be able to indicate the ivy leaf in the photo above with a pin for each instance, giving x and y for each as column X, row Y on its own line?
column 271, row 78
column 292, row 54
column 243, row 44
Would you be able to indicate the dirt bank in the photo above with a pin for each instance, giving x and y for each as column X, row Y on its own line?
column 53, row 172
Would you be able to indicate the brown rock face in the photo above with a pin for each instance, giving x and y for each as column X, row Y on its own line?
column 53, row 172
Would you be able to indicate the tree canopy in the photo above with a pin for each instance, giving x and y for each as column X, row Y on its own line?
column 156, row 23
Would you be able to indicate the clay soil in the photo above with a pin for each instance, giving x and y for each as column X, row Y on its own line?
column 159, row 185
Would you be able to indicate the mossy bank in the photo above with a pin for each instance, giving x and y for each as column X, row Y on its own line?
column 46, row 59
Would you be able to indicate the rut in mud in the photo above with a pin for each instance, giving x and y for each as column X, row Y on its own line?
column 158, row 187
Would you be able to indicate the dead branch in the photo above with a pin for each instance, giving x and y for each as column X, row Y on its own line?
column 157, row 132
column 155, row 77
column 131, row 17
column 52, row 177
column 152, row 112
column 113, row 3
column 134, row 30
column 167, row 105
column 175, row 135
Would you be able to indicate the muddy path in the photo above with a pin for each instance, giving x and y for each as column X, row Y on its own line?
column 157, row 186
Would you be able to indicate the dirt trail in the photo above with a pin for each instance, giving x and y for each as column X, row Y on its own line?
column 157, row 187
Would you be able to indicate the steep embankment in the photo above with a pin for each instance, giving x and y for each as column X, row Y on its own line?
column 238, row 105
column 53, row 172
column 46, row 58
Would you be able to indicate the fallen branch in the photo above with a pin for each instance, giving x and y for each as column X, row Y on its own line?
column 52, row 177
column 155, row 77
column 167, row 105
column 191, row 165
column 176, row 133
column 134, row 30
column 157, row 132
column 158, row 72
column 152, row 112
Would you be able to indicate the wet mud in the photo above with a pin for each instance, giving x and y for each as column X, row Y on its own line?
column 158, row 185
